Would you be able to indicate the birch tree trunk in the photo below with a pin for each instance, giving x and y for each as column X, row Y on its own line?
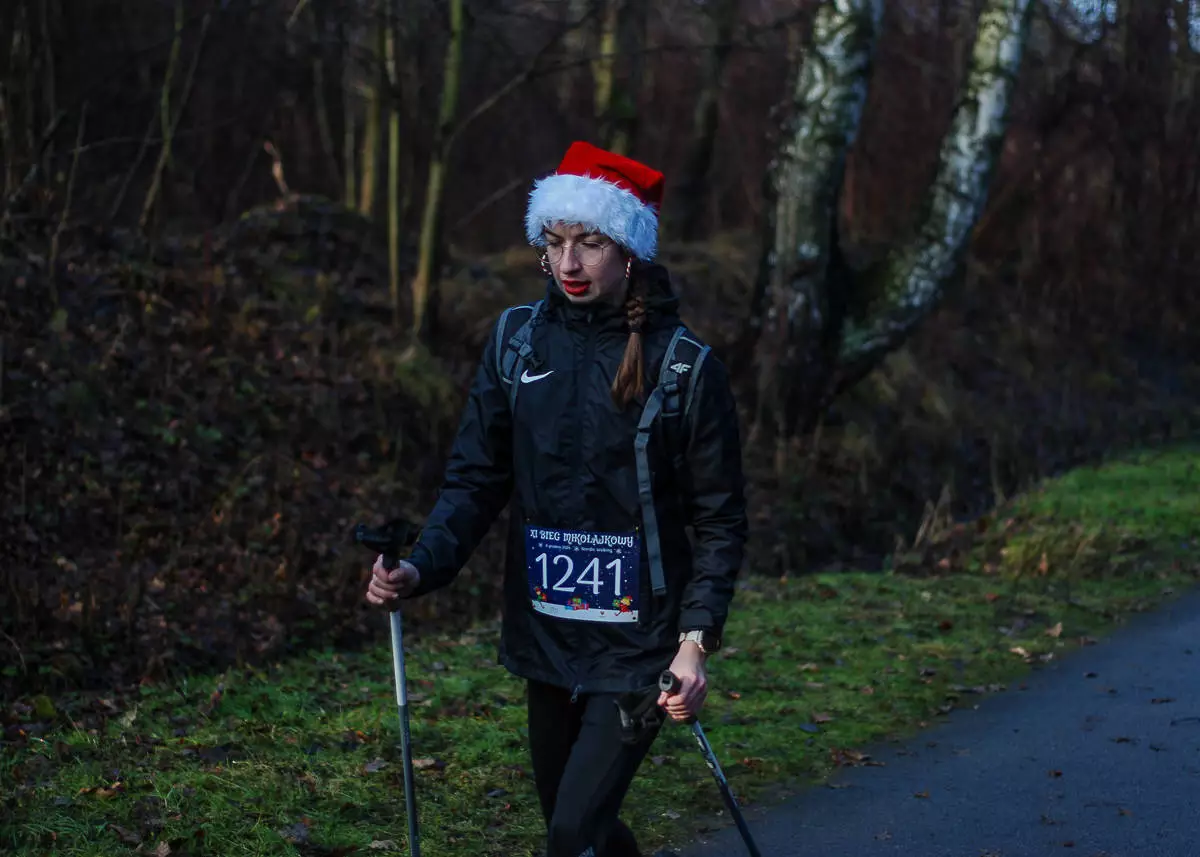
column 821, row 326
column 797, row 307
column 424, row 286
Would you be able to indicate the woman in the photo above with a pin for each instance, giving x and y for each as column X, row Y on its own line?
column 603, row 588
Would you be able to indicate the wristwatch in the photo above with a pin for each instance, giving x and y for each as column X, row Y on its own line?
column 708, row 641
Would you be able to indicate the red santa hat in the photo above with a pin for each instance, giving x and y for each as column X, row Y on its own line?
column 600, row 190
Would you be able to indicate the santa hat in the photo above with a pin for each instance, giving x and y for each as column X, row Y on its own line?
column 600, row 190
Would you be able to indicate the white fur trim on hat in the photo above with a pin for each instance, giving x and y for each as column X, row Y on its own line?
column 595, row 204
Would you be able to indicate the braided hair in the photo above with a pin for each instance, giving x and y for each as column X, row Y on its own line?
column 628, row 383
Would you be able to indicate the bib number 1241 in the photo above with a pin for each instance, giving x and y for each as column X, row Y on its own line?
column 590, row 576
column 583, row 576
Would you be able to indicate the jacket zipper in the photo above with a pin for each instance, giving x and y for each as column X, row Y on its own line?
column 589, row 354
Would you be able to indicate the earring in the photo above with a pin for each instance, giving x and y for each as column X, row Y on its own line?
column 545, row 263
column 628, row 267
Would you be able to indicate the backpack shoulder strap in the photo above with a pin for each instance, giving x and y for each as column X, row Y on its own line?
column 671, row 399
column 514, row 349
column 676, row 374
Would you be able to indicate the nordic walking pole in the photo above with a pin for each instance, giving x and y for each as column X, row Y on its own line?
column 669, row 682
column 389, row 541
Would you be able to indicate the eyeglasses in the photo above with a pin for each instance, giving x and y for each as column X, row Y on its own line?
column 588, row 252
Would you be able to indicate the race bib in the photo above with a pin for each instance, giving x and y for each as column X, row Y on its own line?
column 585, row 576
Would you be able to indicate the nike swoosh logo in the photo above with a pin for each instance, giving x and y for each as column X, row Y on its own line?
column 526, row 378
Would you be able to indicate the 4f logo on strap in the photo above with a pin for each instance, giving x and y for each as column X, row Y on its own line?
column 680, row 368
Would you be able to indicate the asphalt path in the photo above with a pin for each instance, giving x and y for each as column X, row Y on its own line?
column 1099, row 756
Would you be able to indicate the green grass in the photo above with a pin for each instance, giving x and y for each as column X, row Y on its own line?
column 302, row 758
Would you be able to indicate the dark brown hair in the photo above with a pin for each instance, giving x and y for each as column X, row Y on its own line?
column 628, row 383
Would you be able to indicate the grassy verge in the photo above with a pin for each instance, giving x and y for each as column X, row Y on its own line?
column 302, row 758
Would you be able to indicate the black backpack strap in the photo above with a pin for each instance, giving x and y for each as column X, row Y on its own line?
column 671, row 398
column 680, row 365
column 514, row 350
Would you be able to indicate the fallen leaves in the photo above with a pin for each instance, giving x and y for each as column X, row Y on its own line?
column 103, row 792
column 428, row 764
column 846, row 758
column 1031, row 657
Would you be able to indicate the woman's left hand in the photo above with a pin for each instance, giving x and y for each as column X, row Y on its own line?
column 688, row 698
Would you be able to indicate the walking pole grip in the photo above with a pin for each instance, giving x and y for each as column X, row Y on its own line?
column 669, row 682
column 389, row 541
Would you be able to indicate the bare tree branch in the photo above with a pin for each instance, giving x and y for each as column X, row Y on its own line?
column 52, row 265
column 165, row 156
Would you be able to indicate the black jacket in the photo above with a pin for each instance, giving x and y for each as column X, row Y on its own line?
column 567, row 462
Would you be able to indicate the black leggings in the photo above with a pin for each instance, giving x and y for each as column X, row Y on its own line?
column 582, row 770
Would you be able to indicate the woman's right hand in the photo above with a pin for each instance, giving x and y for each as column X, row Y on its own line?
column 388, row 586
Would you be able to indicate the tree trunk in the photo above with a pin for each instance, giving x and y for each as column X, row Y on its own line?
column 392, row 26
column 575, row 45
column 1147, row 81
column 321, row 92
column 608, row 96
column 349, row 122
column 912, row 279
column 424, row 287
column 794, row 307
column 369, row 178
column 631, row 43
column 689, row 196
column 171, row 125
column 826, row 326
column 49, row 83
column 8, row 152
